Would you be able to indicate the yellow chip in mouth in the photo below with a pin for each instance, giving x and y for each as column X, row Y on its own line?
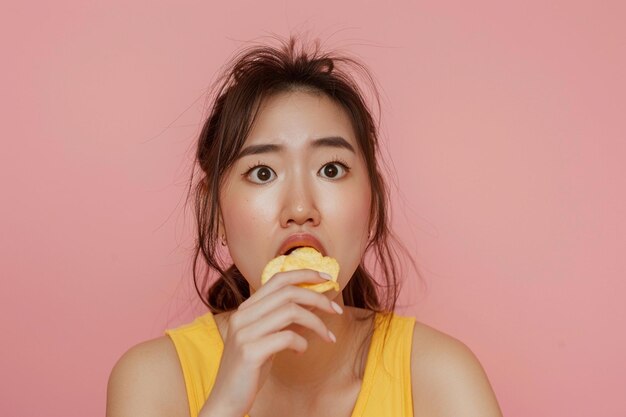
column 304, row 258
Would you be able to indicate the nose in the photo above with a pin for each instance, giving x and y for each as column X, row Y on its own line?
column 299, row 207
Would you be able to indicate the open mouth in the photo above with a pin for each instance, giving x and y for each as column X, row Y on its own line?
column 294, row 248
column 300, row 240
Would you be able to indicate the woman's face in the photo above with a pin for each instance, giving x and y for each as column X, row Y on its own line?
column 293, row 182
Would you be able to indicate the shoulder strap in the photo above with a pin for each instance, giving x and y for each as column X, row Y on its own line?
column 391, row 394
column 199, row 347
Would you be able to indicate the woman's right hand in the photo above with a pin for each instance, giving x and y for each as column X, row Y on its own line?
column 255, row 335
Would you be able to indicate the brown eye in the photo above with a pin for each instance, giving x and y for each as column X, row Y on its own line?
column 333, row 170
column 263, row 174
column 260, row 174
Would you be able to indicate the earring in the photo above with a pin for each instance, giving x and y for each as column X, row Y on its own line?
column 223, row 240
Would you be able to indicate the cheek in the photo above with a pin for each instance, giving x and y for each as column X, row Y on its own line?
column 239, row 215
column 248, row 221
column 354, row 210
column 245, row 213
column 347, row 223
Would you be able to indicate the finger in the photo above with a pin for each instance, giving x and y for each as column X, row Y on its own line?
column 282, row 279
column 291, row 294
column 261, row 350
column 284, row 316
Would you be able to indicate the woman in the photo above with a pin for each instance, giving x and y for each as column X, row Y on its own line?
column 289, row 158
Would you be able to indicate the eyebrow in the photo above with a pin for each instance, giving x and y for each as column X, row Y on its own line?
column 330, row 142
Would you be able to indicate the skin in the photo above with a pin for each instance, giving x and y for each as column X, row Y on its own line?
column 446, row 378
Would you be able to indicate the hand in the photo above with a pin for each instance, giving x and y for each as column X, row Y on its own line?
column 255, row 335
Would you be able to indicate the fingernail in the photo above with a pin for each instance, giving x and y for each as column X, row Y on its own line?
column 332, row 336
column 325, row 276
column 336, row 307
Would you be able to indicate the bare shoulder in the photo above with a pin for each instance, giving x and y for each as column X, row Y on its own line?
column 447, row 379
column 147, row 380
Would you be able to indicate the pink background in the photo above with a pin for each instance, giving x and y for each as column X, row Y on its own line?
column 504, row 121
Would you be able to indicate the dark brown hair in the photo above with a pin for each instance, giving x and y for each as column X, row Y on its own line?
column 254, row 74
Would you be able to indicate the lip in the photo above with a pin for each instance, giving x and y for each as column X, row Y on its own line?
column 301, row 239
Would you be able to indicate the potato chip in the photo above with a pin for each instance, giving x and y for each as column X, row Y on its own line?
column 304, row 258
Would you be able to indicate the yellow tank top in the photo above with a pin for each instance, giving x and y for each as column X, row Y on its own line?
column 385, row 389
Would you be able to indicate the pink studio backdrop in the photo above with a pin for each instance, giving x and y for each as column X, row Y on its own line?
column 504, row 121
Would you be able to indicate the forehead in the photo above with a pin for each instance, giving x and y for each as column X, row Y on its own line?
column 295, row 118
